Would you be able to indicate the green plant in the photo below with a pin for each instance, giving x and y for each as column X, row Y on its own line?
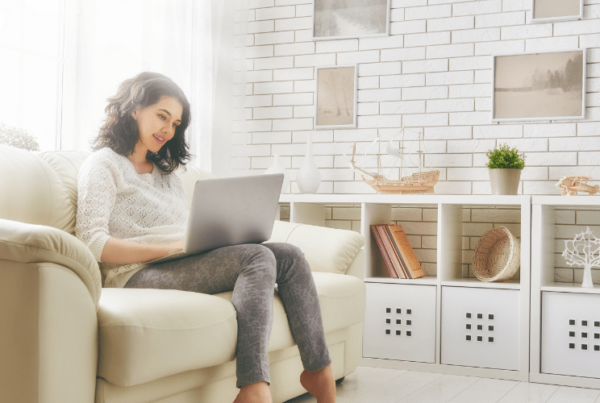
column 505, row 158
column 16, row 137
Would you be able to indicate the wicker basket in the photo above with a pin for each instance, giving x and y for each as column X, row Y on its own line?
column 497, row 255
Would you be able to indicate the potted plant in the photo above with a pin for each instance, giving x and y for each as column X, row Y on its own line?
column 19, row 138
column 505, row 165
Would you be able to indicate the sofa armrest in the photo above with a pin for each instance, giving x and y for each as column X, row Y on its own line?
column 29, row 243
column 326, row 249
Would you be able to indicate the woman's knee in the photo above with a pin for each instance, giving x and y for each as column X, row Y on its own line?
column 263, row 259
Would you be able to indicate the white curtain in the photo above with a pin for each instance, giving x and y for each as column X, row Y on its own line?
column 190, row 41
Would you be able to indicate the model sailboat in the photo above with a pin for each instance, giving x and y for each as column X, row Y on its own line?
column 418, row 182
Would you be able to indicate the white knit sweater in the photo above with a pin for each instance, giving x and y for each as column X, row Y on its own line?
column 115, row 201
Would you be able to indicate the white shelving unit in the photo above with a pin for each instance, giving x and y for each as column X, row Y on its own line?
column 565, row 318
column 423, row 324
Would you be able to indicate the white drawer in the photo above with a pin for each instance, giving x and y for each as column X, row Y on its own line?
column 480, row 327
column 400, row 322
column 571, row 334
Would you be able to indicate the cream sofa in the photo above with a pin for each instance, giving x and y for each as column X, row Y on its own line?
column 65, row 339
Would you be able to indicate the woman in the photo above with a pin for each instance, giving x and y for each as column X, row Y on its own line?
column 131, row 209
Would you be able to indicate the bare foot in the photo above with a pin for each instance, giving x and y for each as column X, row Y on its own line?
column 320, row 384
column 254, row 393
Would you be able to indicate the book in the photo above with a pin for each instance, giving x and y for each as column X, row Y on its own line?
column 386, row 258
column 389, row 248
column 398, row 253
column 413, row 267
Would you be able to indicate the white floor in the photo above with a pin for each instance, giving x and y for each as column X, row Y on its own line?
column 382, row 385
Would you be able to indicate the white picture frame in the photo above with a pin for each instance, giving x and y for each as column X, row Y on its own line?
column 541, row 10
column 332, row 93
column 319, row 33
column 526, row 93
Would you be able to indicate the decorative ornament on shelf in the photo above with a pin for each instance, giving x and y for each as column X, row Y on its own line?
column 583, row 251
column 505, row 165
column 17, row 137
column 571, row 185
column 308, row 177
column 278, row 168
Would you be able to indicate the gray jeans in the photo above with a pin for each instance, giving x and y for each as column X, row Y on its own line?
column 251, row 271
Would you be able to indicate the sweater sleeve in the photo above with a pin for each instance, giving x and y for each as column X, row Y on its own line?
column 97, row 192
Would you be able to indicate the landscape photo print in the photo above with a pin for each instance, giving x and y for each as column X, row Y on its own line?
column 333, row 19
column 335, row 104
column 550, row 10
column 539, row 86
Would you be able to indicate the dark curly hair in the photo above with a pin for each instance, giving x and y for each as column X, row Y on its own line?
column 120, row 130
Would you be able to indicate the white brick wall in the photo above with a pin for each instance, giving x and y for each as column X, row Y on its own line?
column 433, row 73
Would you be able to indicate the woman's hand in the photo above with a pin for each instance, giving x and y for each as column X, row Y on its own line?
column 176, row 246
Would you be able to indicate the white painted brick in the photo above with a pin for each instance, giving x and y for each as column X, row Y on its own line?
column 304, row 111
column 248, row 89
column 575, row 144
column 295, row 49
column 367, row 122
column 251, row 16
column 258, row 126
column 588, row 129
column 524, row 145
column 426, row 39
column 470, row 146
column 468, row 174
column 592, row 100
column 425, row 66
column 305, row 86
column 318, row 136
column 592, row 85
column 408, row 27
column 450, row 24
column 480, row 160
column 447, row 132
column 470, row 91
column 589, row 41
column 448, row 160
column 567, row 42
column 557, row 172
column 483, row 104
column 382, row 42
column 534, row 173
column 500, row 20
column 470, row 63
column 441, row 51
column 289, row 24
column 483, row 76
column 379, row 69
column 273, row 63
column 397, row 15
column 370, row 108
column 476, row 35
column 315, row 60
column 550, row 130
column 261, row 26
column 428, row 12
column 355, row 135
column 379, row 95
column 367, row 56
column 593, row 70
column 305, row 10
column 293, row 99
column 551, row 159
column 259, row 51
column 451, row 105
column 260, row 3
column 273, row 13
column 366, row 83
column 589, row 158
column 405, row 80
column 259, row 76
column 273, row 38
column 293, row 124
column 269, row 113
column 473, row 118
column 434, row 92
column 352, row 187
column 348, row 45
column 292, row 2
column 459, row 77
column 408, row 3
column 290, row 149
column 293, row 74
column 388, row 108
column 516, row 5
column 272, row 138
column 477, row 7
column 527, row 31
column 576, row 27
column 266, row 162
column 591, row 12
column 304, row 35
column 499, row 47
column 258, row 100
column 429, row 119
column 498, row 131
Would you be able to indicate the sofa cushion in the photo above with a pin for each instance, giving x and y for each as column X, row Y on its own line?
column 147, row 334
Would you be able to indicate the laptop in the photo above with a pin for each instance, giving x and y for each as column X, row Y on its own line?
column 230, row 211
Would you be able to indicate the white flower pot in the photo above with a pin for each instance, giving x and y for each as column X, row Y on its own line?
column 505, row 181
column 278, row 168
column 308, row 177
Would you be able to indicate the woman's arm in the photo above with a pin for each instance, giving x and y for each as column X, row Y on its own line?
column 119, row 251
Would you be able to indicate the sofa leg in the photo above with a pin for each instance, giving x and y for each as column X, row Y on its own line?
column 337, row 382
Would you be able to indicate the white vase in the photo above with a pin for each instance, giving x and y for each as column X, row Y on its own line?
column 308, row 177
column 587, row 277
column 278, row 168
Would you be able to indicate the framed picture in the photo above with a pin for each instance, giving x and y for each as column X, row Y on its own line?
column 335, row 99
column 539, row 86
column 338, row 19
column 556, row 10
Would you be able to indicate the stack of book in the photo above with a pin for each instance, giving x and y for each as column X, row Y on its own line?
column 397, row 253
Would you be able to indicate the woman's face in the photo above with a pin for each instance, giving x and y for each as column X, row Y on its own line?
column 157, row 123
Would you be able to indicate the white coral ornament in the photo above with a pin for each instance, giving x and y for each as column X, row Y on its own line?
column 583, row 250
